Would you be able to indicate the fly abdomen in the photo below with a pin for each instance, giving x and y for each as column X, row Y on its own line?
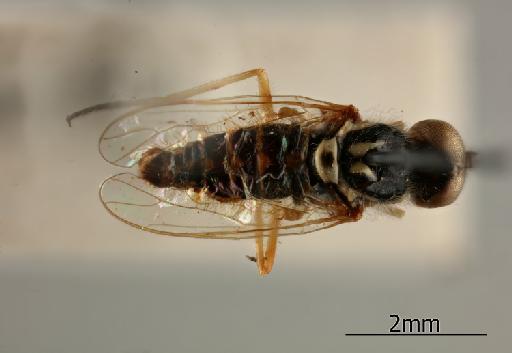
column 270, row 160
column 179, row 167
column 265, row 161
column 197, row 165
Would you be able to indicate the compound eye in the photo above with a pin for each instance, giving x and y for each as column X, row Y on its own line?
column 436, row 189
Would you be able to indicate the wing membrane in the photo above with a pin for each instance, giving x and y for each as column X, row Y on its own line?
column 174, row 212
column 167, row 124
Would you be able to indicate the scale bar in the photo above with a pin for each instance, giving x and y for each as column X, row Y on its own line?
column 415, row 334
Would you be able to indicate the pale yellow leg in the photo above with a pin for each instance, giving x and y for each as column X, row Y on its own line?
column 260, row 246
column 265, row 257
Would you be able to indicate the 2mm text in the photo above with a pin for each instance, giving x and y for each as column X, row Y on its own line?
column 402, row 325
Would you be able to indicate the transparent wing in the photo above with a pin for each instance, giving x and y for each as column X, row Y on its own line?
column 165, row 125
column 174, row 212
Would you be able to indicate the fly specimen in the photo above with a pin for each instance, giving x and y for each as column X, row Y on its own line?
column 271, row 166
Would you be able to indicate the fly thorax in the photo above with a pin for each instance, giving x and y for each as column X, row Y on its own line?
column 372, row 162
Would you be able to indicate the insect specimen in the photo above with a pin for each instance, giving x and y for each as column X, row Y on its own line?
column 269, row 166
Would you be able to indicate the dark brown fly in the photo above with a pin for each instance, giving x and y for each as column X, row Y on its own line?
column 275, row 165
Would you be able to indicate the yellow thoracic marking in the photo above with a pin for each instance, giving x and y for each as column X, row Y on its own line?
column 345, row 128
column 350, row 193
column 328, row 174
column 360, row 149
column 361, row 168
